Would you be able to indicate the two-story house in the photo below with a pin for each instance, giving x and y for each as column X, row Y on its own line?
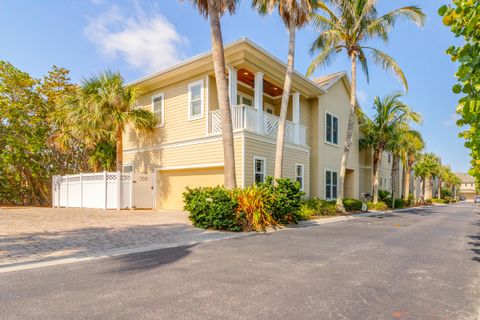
column 185, row 149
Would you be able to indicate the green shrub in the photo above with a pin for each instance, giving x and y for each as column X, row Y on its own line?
column 254, row 206
column 380, row 206
column 306, row 212
column 441, row 201
column 428, row 201
column 446, row 193
column 212, row 208
column 318, row 207
column 352, row 204
column 399, row 203
column 286, row 198
column 384, row 195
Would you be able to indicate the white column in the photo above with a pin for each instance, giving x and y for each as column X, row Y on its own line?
column 232, row 85
column 296, row 115
column 258, row 100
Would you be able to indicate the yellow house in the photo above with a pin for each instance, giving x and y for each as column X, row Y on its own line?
column 185, row 149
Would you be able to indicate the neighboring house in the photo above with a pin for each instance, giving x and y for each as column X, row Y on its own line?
column 185, row 149
column 467, row 187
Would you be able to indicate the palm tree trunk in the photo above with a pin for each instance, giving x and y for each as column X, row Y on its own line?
column 348, row 140
column 394, row 179
column 376, row 162
column 223, row 99
column 406, row 182
column 284, row 107
column 439, row 188
column 119, row 150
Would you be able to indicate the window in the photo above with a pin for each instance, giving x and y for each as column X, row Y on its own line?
column 259, row 167
column 195, row 100
column 243, row 99
column 299, row 173
column 331, row 129
column 128, row 168
column 158, row 107
column 389, row 159
column 331, row 182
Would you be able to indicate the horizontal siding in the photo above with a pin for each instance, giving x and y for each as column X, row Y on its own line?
column 177, row 127
column 254, row 147
column 191, row 155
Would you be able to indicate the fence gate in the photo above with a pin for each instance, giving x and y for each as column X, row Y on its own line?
column 107, row 190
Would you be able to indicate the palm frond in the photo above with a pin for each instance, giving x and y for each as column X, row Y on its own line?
column 388, row 64
column 325, row 58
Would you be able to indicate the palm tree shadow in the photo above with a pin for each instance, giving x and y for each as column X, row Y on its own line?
column 143, row 261
column 475, row 244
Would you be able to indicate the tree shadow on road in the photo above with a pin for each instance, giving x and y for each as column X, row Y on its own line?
column 475, row 244
column 91, row 242
column 144, row 261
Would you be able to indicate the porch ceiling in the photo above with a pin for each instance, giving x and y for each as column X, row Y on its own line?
column 248, row 77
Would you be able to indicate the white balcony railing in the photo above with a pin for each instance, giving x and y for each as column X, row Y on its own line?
column 247, row 118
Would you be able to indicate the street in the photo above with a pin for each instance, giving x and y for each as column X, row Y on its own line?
column 417, row 264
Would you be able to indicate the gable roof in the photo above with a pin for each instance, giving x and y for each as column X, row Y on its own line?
column 465, row 177
column 327, row 81
column 205, row 59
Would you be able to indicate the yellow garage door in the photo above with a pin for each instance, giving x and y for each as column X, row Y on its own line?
column 172, row 183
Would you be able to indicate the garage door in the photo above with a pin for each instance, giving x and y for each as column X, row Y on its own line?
column 172, row 183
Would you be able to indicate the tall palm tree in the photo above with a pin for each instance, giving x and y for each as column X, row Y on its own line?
column 214, row 10
column 410, row 146
column 105, row 106
column 382, row 132
column 347, row 25
column 295, row 14
column 426, row 168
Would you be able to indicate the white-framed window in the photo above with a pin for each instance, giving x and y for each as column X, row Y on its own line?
column 158, row 108
column 331, row 128
column 269, row 109
column 331, row 184
column 128, row 168
column 244, row 99
column 300, row 174
column 195, row 100
column 259, row 169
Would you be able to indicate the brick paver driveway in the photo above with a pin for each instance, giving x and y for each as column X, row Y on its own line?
column 44, row 234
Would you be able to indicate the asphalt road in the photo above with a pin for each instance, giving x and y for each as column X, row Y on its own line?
column 413, row 265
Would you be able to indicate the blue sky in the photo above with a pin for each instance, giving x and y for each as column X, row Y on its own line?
column 138, row 37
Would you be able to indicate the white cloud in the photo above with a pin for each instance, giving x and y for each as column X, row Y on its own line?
column 451, row 120
column 362, row 96
column 145, row 42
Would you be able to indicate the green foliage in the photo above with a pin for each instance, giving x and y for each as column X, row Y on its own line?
column 28, row 127
column 463, row 18
column 318, row 207
column 286, row 197
column 399, row 203
column 213, row 208
column 352, row 204
column 254, row 206
column 383, row 195
column 446, row 193
column 379, row 206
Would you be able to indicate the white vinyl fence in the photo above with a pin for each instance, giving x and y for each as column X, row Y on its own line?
column 105, row 190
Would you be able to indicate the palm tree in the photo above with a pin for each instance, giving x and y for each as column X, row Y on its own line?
column 410, row 146
column 103, row 108
column 214, row 10
column 381, row 133
column 347, row 25
column 426, row 168
column 295, row 14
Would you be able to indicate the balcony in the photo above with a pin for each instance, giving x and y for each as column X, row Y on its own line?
column 247, row 118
